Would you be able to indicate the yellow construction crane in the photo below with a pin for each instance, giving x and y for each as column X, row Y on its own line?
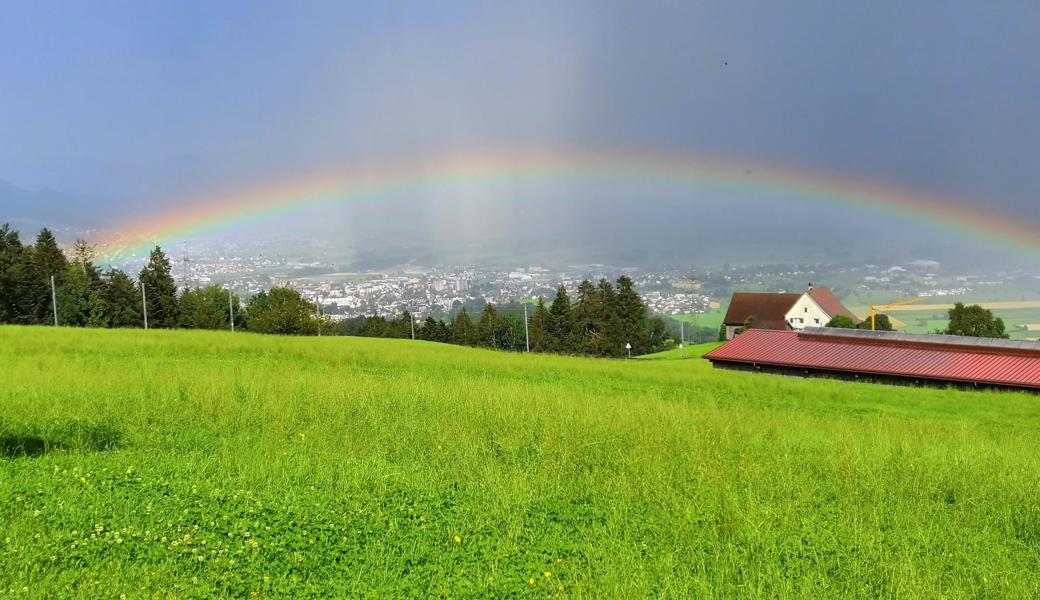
column 874, row 310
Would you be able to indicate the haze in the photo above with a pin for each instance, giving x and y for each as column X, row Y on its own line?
column 121, row 110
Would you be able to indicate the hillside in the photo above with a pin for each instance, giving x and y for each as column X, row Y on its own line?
column 200, row 464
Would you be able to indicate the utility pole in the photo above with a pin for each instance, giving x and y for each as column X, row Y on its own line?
column 144, row 305
column 231, row 310
column 317, row 312
column 527, row 333
column 682, row 339
column 412, row 315
column 54, row 301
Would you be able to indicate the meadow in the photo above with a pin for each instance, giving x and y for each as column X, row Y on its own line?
column 178, row 464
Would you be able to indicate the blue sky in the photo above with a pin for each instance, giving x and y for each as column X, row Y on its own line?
column 139, row 102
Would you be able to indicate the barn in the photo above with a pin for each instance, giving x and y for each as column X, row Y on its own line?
column 885, row 357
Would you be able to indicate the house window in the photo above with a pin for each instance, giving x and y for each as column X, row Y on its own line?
column 817, row 321
column 806, row 309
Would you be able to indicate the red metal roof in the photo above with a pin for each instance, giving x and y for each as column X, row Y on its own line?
column 880, row 356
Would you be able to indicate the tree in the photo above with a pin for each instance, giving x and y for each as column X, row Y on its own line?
column 17, row 279
column 584, row 320
column 632, row 312
column 120, row 301
column 46, row 260
column 841, row 322
column 748, row 324
column 612, row 334
column 462, row 330
column 488, row 327
column 160, row 291
column 974, row 321
column 433, row 330
column 558, row 327
column 881, row 323
column 538, row 328
column 207, row 308
column 79, row 296
column 657, row 338
column 722, row 332
column 281, row 310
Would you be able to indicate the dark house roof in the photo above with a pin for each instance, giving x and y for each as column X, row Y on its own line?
column 915, row 357
column 769, row 310
column 830, row 303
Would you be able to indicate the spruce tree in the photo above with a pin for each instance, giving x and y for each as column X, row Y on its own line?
column 633, row 316
column 559, row 325
column 584, row 321
column 47, row 260
column 462, row 330
column 160, row 291
column 17, row 279
column 488, row 327
column 120, row 299
column 538, row 328
column 611, row 335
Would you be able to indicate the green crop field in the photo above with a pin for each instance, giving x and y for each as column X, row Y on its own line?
column 201, row 464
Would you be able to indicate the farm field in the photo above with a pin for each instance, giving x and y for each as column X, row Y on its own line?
column 711, row 319
column 200, row 464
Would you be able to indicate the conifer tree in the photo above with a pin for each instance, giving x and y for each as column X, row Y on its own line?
column 584, row 320
column 488, row 327
column 633, row 316
column 120, row 301
column 17, row 278
column 610, row 336
column 160, row 291
column 559, row 325
column 462, row 330
column 538, row 328
column 47, row 259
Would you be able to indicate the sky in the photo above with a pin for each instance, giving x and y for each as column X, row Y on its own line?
column 133, row 107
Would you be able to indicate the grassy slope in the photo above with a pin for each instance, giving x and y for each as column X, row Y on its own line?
column 293, row 466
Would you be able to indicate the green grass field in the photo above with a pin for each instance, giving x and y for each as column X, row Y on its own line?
column 711, row 319
column 204, row 464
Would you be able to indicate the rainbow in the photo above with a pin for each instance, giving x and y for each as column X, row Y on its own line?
column 226, row 212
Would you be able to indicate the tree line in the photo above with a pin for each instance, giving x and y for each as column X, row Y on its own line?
column 972, row 321
column 84, row 295
column 603, row 320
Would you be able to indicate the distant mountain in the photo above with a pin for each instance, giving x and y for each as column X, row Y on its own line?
column 47, row 207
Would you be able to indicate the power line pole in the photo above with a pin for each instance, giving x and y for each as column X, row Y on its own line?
column 682, row 339
column 144, row 306
column 54, row 301
column 412, row 315
column 527, row 333
column 231, row 310
column 317, row 306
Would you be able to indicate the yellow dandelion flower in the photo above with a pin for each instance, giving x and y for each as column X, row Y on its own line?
column 547, row 575
column 303, row 436
column 531, row 581
column 458, row 540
